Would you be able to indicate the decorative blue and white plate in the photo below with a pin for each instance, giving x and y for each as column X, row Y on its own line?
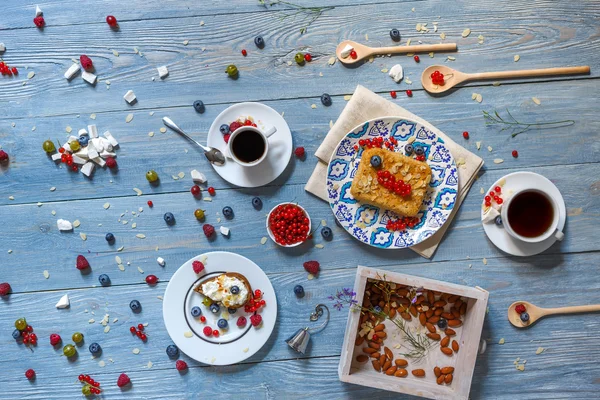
column 366, row 222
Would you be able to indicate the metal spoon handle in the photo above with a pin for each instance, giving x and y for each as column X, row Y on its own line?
column 170, row 124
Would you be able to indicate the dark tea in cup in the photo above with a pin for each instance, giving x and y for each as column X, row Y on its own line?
column 530, row 213
column 248, row 145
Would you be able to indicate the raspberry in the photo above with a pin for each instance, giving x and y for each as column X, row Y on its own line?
column 198, row 267
column 299, row 152
column 520, row 308
column 82, row 263
column 208, row 229
column 55, row 339
column 30, row 374
column 312, row 267
column 4, row 289
column 3, row 157
column 255, row 320
column 241, row 322
column 86, row 62
column 207, row 331
column 234, row 125
column 39, row 21
column 181, row 365
column 123, row 380
column 111, row 162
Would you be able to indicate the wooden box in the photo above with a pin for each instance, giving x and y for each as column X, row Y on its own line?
column 467, row 336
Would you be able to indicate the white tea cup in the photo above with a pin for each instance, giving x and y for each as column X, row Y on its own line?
column 248, row 146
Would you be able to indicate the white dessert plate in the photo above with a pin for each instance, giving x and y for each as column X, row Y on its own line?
column 366, row 222
column 517, row 181
column 280, row 145
column 233, row 344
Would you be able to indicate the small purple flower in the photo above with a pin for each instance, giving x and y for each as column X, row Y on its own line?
column 338, row 306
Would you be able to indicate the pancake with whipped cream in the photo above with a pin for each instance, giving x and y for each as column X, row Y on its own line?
column 230, row 289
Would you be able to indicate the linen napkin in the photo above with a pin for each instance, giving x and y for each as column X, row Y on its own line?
column 365, row 105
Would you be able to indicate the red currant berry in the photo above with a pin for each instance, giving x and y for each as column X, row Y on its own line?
column 492, row 194
column 417, row 59
column 488, row 203
column 487, row 198
column 202, row 318
column 497, row 189
column 80, row 377
column 375, row 337
column 141, row 327
column 143, row 337
column 111, row 21
column 409, row 93
column 61, row 150
column 393, row 94
column 257, row 293
column 139, row 334
column 151, row 279
column 211, row 191
column 215, row 333
column 132, row 329
column 14, row 71
column 244, row 52
column 29, row 328
column 499, row 200
column 150, row 203
column 307, row 57
column 515, row 153
column 353, row 54
column 466, row 134
column 195, row 190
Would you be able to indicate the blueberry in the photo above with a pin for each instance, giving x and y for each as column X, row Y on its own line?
column 224, row 129
column 326, row 99
column 524, row 317
column 172, row 351
column 196, row 312
column 498, row 220
column 95, row 348
column 408, row 149
column 199, row 106
column 109, row 237
column 299, row 291
column 232, row 310
column 169, row 218
column 376, row 161
column 83, row 140
column 257, row 203
column 442, row 323
column 235, row 290
column 377, row 309
column 214, row 308
column 222, row 323
column 326, row 232
column 395, row 35
column 16, row 334
column 419, row 150
column 259, row 42
column 135, row 306
column 104, row 280
column 228, row 212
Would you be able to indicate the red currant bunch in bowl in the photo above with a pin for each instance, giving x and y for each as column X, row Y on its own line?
column 288, row 224
column 437, row 78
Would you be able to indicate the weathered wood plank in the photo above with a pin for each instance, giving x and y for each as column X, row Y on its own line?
column 32, row 172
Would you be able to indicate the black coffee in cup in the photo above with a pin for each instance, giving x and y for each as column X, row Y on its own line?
column 248, row 146
column 530, row 214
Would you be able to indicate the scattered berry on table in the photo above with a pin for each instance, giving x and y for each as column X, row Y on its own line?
column 151, row 176
column 169, row 218
column 82, row 263
column 520, row 308
column 69, row 350
column 257, row 203
column 77, row 337
column 241, row 321
column 222, row 323
column 104, row 280
column 14, row 70
column 86, row 62
column 123, row 380
column 259, row 42
column 232, row 71
column 150, row 203
column 353, row 54
column 326, row 232
column 524, row 316
column 395, row 35
column 376, row 161
column 55, row 339
column 21, row 324
column 207, row 331
column 307, row 57
column 417, row 59
column 196, row 312
column 214, row 308
column 151, row 279
column 140, row 327
column 515, row 153
column 419, row 151
column 198, row 266
column 199, row 214
column 224, row 129
column 235, row 290
column 208, row 229
column 48, row 146
column 143, row 337
column 244, row 52
column 135, row 306
column 172, row 351
column 312, row 267
column 299, row 152
column 3, row 157
column 255, row 320
column 95, row 348
column 109, row 237
column 111, row 21
column 39, row 21
column 16, row 334
column 228, row 212
column 393, row 94
column 30, row 374
column 195, row 190
column 199, row 106
column 299, row 58
column 409, row 93
column 466, row 134
column 4, row 289
column 110, row 162
column 299, row 291
column 498, row 220
column 326, row 99
column 211, row 190
column 181, row 365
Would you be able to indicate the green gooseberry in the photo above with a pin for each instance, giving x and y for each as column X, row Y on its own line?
column 151, row 176
column 77, row 337
column 231, row 70
column 207, row 302
column 48, row 146
column 299, row 58
column 199, row 214
column 74, row 145
column 21, row 324
column 86, row 390
column 69, row 350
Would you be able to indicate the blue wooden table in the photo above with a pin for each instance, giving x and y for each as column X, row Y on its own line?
column 197, row 40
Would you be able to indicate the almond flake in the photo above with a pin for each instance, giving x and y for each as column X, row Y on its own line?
column 263, row 240
column 93, row 116
column 118, row 260
column 490, row 148
column 106, row 328
column 136, row 351
column 479, row 98
column 30, row 75
column 138, row 191
column 140, row 236
column 76, row 223
column 498, row 161
column 466, row 32
column 141, row 271
column 481, row 191
column 450, row 58
column 478, row 144
column 46, row 274
column 484, row 261
column 431, row 54
column 181, row 175
column 188, row 334
column 473, row 96
column 102, row 363
column 129, row 118
column 331, row 60
column 516, row 58
column 385, row 70
column 149, row 365
column 442, row 35
column 501, row 341
column 106, row 206
column 319, row 246
column 68, row 129
column 536, row 100
column 121, row 248
column 115, row 53
column 83, row 236
column 310, row 277
column 121, row 267
column 539, row 350
column 186, row 42
column 347, row 97
column 91, row 321
column 313, row 106
column 408, row 42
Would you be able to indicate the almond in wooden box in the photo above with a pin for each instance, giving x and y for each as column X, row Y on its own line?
column 412, row 335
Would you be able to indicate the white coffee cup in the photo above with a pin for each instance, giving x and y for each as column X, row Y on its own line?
column 239, row 131
column 552, row 229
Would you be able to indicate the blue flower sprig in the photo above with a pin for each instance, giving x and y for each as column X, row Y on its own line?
column 345, row 296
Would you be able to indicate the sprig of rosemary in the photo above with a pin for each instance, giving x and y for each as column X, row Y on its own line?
column 311, row 13
column 519, row 127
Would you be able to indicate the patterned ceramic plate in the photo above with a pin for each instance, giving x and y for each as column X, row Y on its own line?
column 367, row 223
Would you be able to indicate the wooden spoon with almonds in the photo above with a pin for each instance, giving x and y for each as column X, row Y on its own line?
column 363, row 52
column 536, row 313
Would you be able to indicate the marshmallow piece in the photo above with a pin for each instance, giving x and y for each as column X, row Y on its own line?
column 63, row 302
column 56, row 156
column 82, row 132
column 163, row 72
column 2, row 48
column 346, row 51
column 111, row 138
column 88, row 168
column 105, row 154
column 92, row 153
column 93, row 131
column 98, row 160
column 97, row 143
column 38, row 11
column 396, row 73
column 72, row 71
column 198, row 176
column 224, row 231
column 106, row 144
column 490, row 215
column 89, row 77
column 66, row 146
column 72, row 139
column 130, row 97
column 83, row 153
column 64, row 225
column 78, row 160
column 160, row 261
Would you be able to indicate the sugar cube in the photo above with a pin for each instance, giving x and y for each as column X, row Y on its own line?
column 130, row 97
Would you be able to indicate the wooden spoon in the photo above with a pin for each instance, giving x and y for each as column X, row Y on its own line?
column 536, row 312
column 454, row 77
column 363, row 52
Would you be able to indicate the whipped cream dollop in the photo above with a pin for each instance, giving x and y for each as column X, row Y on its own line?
column 219, row 290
